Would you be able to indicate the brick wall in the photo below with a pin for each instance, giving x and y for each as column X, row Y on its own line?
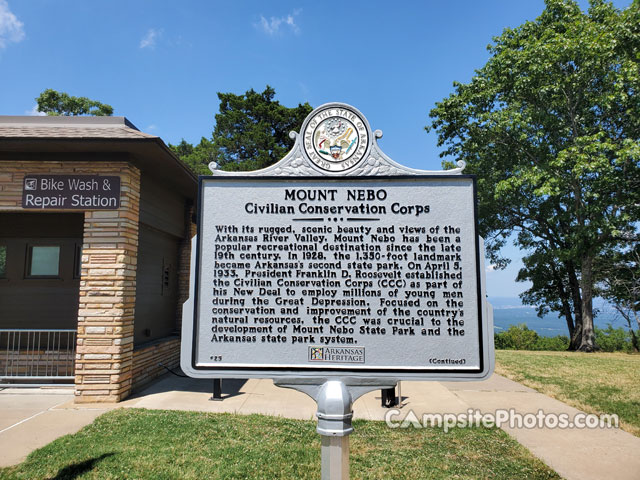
column 146, row 359
column 108, row 297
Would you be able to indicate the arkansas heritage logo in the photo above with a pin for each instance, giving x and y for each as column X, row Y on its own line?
column 336, row 354
column 336, row 139
column 316, row 353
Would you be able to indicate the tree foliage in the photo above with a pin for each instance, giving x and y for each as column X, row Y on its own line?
column 197, row 157
column 53, row 102
column 551, row 127
column 251, row 132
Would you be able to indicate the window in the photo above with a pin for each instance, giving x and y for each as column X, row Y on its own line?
column 77, row 261
column 43, row 261
column 3, row 261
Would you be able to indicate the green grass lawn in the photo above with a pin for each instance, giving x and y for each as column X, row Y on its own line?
column 592, row 382
column 156, row 444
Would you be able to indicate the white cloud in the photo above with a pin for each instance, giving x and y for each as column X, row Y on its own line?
column 273, row 24
column 151, row 128
column 150, row 38
column 11, row 29
column 34, row 112
column 490, row 268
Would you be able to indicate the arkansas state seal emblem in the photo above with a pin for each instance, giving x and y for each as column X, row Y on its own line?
column 336, row 139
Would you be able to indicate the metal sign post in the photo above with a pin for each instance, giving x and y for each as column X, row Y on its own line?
column 335, row 411
column 334, row 424
column 337, row 272
column 216, row 396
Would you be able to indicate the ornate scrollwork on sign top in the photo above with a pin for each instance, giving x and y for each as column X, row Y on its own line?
column 336, row 139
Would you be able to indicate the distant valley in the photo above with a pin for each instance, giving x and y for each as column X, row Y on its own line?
column 510, row 311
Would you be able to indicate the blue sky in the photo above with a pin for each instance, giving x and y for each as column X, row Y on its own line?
column 160, row 63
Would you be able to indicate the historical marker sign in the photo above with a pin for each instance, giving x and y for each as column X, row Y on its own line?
column 335, row 272
column 71, row 192
column 306, row 275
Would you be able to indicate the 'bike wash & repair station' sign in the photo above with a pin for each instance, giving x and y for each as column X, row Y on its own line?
column 79, row 192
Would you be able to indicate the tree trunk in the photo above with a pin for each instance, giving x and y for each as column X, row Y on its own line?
column 627, row 317
column 574, row 286
column 570, row 324
column 566, row 307
column 587, row 338
column 634, row 341
column 576, row 338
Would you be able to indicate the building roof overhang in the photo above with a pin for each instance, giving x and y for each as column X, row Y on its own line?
column 26, row 137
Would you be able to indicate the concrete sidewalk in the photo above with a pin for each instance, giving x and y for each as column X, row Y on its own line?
column 41, row 416
column 30, row 418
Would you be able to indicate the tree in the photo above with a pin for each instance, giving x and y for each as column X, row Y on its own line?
column 251, row 132
column 197, row 157
column 551, row 127
column 53, row 102
column 620, row 285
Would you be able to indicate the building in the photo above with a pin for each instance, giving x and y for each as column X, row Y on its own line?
column 96, row 219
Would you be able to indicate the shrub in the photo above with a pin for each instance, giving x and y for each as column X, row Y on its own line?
column 613, row 339
column 559, row 343
column 516, row 337
column 520, row 337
